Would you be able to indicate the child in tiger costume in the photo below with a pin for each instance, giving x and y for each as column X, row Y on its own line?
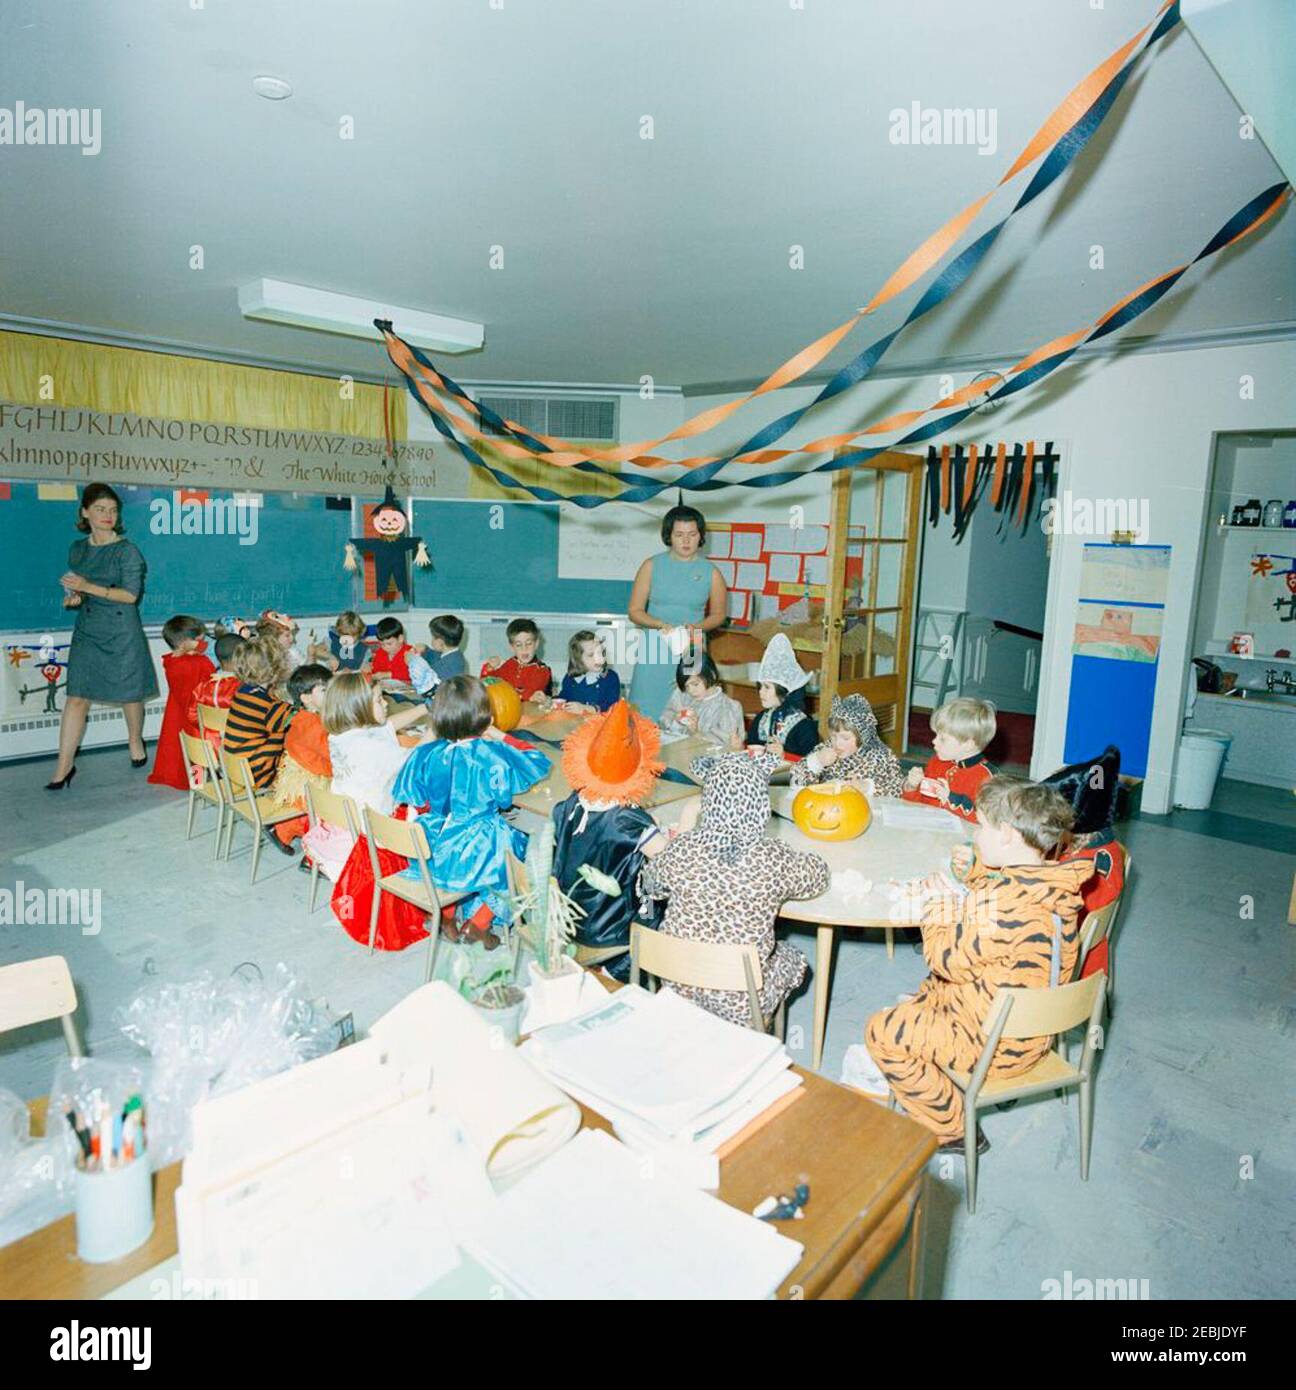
column 1012, row 922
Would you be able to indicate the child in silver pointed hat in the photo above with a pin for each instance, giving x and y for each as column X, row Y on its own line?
column 782, row 727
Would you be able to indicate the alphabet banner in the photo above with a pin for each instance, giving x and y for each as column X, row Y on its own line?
column 65, row 444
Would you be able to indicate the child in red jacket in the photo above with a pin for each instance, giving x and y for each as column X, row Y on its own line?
column 961, row 731
column 399, row 659
column 186, row 668
column 216, row 690
column 530, row 677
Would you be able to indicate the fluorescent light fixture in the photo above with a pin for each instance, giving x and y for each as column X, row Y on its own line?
column 278, row 301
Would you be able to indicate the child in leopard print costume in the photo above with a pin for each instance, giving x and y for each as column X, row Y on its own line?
column 853, row 751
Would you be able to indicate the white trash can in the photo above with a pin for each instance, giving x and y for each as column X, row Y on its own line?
column 1201, row 755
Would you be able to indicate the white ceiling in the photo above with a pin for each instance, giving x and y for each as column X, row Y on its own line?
column 519, row 127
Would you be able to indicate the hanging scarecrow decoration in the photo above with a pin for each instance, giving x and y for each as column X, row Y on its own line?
column 390, row 548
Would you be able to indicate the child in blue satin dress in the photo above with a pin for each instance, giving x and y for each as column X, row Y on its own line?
column 461, row 783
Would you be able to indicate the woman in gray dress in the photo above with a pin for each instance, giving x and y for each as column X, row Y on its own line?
column 109, row 660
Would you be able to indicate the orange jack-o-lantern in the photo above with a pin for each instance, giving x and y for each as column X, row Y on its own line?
column 505, row 703
column 389, row 521
column 831, row 811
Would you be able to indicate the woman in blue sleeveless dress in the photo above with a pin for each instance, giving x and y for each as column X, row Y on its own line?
column 678, row 596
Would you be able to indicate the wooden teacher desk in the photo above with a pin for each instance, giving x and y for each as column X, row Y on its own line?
column 864, row 1164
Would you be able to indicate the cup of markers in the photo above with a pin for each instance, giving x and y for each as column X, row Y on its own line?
column 112, row 1184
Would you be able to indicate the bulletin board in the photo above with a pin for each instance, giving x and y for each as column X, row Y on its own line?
column 768, row 568
column 1115, row 651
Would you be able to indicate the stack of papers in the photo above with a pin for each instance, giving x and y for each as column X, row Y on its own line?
column 593, row 1221
column 914, row 815
column 664, row 1071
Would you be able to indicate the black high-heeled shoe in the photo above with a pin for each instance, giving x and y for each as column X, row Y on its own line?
column 140, row 762
column 60, row 783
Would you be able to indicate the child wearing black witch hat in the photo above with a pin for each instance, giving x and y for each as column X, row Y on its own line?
column 1090, row 787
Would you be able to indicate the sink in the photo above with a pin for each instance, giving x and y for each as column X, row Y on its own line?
column 1264, row 697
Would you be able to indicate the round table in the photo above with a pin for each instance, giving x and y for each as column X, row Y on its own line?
column 882, row 853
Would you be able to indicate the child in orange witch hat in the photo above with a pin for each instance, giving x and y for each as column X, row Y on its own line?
column 602, row 834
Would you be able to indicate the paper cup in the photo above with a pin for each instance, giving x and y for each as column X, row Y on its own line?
column 114, row 1211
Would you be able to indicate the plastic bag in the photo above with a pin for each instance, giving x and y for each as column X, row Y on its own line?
column 35, row 1177
column 210, row 1036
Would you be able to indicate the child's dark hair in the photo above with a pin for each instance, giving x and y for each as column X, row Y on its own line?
column 697, row 664
column 226, row 645
column 575, row 663
column 180, row 629
column 461, row 708
column 306, row 678
column 447, row 628
column 519, row 626
column 388, row 627
column 780, row 690
column 682, row 514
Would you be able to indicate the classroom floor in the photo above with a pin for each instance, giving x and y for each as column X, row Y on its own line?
column 1193, row 1152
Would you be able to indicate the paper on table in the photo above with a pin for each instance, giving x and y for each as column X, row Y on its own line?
column 512, row 1115
column 358, row 1215
column 589, row 1222
column 656, row 1056
column 910, row 815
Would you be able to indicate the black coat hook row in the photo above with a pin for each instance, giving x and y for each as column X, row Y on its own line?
column 950, row 489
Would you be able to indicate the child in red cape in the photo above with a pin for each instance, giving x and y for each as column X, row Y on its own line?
column 186, row 667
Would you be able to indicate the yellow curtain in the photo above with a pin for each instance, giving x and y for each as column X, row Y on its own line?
column 563, row 480
column 36, row 370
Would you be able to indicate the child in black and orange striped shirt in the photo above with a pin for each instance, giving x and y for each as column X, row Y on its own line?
column 258, row 717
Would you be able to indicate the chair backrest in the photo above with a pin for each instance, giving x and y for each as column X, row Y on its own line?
column 212, row 717
column 238, row 773
column 1038, row 1013
column 33, row 991
column 1098, row 926
column 703, row 964
column 325, row 807
column 198, row 754
column 405, row 838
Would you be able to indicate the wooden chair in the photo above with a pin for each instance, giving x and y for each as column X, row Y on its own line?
column 1099, row 926
column 33, row 991
column 244, row 802
column 407, row 839
column 205, row 784
column 704, row 965
column 1034, row 1013
column 212, row 719
column 324, row 807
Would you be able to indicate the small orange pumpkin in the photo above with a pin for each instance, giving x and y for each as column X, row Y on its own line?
column 505, row 703
column 831, row 811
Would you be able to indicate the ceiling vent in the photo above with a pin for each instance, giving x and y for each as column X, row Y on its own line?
column 566, row 417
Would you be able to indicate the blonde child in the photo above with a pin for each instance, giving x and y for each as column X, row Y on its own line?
column 961, row 731
column 853, row 752
column 363, row 748
column 698, row 704
column 589, row 685
column 1011, row 922
column 528, row 675
column 345, row 649
column 282, row 628
column 258, row 716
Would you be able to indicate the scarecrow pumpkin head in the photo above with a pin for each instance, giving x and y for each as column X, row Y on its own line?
column 831, row 811
column 389, row 521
